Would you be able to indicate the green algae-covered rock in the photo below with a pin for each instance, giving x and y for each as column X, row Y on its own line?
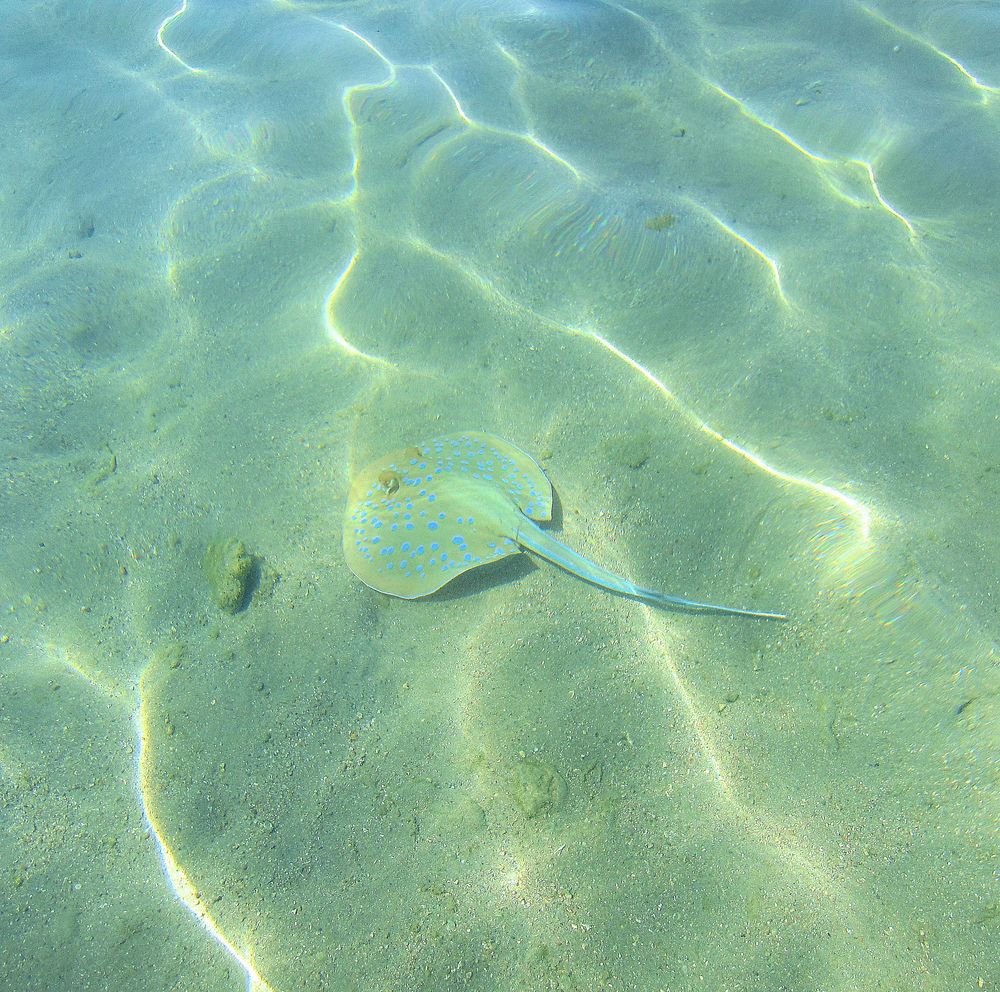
column 230, row 570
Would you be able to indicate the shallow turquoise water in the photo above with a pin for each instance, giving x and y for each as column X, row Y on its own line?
column 726, row 270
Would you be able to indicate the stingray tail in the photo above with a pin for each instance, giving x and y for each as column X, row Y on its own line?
column 545, row 546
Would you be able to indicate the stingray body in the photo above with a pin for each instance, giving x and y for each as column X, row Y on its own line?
column 419, row 517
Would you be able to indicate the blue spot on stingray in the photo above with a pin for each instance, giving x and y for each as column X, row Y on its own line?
column 420, row 550
column 434, row 547
column 458, row 539
column 388, row 566
column 468, row 557
column 409, row 526
column 431, row 498
column 444, row 556
column 441, row 516
column 432, row 525
column 405, row 546
column 458, row 520
column 375, row 540
column 395, row 527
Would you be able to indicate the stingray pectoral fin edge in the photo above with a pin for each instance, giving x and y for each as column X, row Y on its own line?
column 534, row 539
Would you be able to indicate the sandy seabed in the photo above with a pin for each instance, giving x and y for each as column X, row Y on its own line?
column 726, row 271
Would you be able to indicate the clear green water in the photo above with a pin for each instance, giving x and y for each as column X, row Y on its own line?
column 727, row 270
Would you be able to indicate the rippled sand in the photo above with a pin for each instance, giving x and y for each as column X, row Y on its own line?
column 728, row 271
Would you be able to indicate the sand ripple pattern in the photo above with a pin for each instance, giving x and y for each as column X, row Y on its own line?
column 727, row 270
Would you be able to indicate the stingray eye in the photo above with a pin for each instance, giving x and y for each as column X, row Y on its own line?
column 388, row 482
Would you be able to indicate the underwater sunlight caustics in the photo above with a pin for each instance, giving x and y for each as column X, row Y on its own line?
column 419, row 517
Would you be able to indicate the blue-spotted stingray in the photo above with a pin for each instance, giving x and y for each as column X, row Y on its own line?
column 419, row 517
